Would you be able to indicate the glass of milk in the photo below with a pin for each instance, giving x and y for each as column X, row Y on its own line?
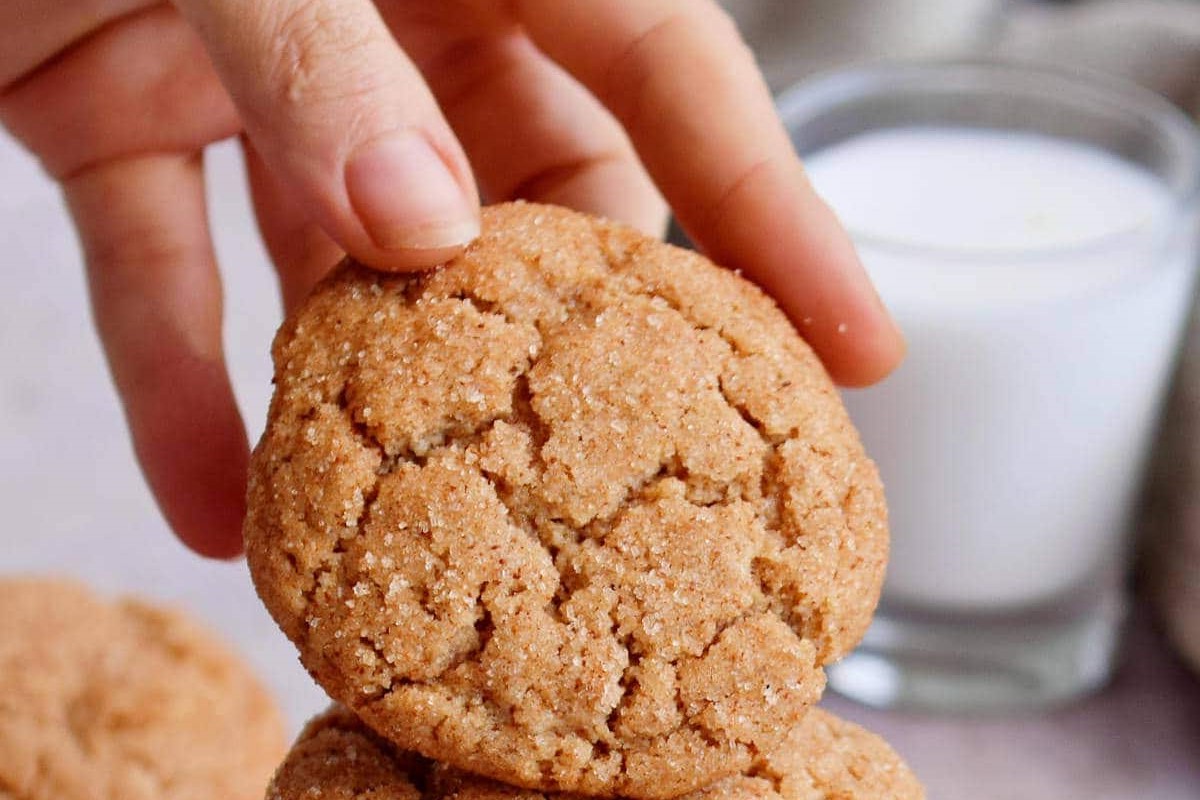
column 1035, row 235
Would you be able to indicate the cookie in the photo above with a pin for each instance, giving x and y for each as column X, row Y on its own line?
column 825, row 758
column 119, row 700
column 579, row 511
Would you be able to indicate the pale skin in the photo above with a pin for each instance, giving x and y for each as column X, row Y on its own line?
column 374, row 129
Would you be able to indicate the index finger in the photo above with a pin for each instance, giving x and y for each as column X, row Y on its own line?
column 685, row 86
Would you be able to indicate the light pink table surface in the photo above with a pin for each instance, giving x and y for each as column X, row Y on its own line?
column 74, row 503
column 1139, row 739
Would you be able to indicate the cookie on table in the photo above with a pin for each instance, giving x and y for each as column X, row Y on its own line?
column 579, row 512
column 118, row 700
column 825, row 758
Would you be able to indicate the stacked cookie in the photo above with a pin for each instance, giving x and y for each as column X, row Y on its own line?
column 579, row 513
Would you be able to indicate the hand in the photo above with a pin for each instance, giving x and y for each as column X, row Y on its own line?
column 358, row 119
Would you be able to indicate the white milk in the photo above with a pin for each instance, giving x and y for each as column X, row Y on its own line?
column 1041, row 307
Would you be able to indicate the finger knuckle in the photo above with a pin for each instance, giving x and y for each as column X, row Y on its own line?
column 631, row 68
column 142, row 248
column 703, row 31
column 317, row 52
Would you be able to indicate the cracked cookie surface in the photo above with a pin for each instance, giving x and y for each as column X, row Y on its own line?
column 824, row 758
column 120, row 700
column 579, row 511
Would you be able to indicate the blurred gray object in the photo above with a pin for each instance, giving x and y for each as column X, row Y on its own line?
column 1152, row 42
column 1170, row 520
column 795, row 38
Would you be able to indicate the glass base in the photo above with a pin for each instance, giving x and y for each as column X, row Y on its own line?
column 1006, row 664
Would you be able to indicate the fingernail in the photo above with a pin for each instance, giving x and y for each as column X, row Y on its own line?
column 406, row 197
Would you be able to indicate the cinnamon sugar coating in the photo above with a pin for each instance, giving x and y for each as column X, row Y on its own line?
column 579, row 511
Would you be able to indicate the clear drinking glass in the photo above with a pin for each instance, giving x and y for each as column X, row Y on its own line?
column 1012, row 440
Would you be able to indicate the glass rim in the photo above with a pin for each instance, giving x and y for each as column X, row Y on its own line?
column 843, row 87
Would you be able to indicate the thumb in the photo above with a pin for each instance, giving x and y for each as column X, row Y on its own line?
column 341, row 115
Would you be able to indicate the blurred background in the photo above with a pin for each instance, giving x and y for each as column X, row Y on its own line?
column 76, row 503
column 1154, row 42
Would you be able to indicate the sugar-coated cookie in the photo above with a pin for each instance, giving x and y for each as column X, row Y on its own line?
column 579, row 511
column 119, row 700
column 824, row 758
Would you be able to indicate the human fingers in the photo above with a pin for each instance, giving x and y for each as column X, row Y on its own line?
column 678, row 77
column 301, row 252
column 33, row 32
column 139, row 85
column 156, row 298
column 340, row 114
column 556, row 143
